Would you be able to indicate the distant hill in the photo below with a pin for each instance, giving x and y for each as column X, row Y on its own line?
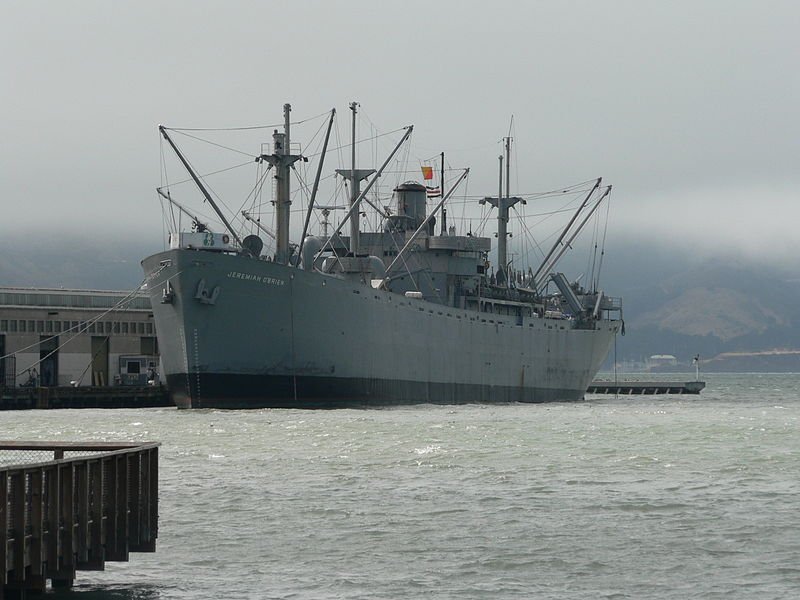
column 710, row 307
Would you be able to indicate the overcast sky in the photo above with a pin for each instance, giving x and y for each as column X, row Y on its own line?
column 690, row 109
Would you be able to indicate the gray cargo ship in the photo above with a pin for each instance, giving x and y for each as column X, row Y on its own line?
column 401, row 315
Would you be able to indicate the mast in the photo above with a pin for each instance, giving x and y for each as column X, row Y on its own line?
column 199, row 184
column 444, row 210
column 316, row 185
column 361, row 196
column 503, row 204
column 354, row 176
column 502, row 227
column 508, row 166
column 282, row 160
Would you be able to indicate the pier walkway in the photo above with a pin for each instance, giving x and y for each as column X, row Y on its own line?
column 67, row 507
column 625, row 388
column 120, row 396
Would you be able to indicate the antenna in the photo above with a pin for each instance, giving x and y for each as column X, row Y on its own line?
column 326, row 211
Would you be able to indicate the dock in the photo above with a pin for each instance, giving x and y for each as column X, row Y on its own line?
column 626, row 388
column 68, row 507
column 120, row 396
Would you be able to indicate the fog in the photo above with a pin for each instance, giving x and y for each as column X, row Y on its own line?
column 688, row 108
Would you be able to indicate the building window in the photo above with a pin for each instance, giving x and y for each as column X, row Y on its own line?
column 22, row 326
column 140, row 328
column 57, row 326
column 13, row 325
column 148, row 328
column 31, row 326
column 40, row 326
column 116, row 326
column 124, row 327
column 4, row 325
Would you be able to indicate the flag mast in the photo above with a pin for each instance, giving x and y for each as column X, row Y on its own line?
column 444, row 210
column 354, row 176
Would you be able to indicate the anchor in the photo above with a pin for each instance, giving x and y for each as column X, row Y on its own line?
column 202, row 294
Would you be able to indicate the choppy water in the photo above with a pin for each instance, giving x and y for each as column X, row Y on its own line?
column 637, row 497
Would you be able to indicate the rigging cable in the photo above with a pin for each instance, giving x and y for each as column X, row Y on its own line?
column 250, row 154
column 251, row 127
column 209, row 174
column 603, row 244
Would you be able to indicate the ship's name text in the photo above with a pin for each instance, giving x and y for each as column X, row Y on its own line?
column 257, row 278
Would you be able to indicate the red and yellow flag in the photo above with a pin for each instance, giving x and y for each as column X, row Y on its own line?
column 427, row 173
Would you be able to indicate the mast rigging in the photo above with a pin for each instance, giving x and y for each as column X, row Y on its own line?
column 199, row 184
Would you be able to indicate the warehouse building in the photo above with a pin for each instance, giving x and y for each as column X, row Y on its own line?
column 63, row 337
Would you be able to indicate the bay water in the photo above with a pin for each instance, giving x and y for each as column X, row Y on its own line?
column 613, row 497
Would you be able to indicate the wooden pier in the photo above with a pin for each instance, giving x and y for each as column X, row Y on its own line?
column 67, row 507
column 120, row 396
column 625, row 388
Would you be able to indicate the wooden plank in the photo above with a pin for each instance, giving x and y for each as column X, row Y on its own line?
column 144, row 501
column 112, row 508
column 3, row 528
column 53, row 516
column 92, row 558
column 18, row 501
column 67, row 553
column 121, row 503
column 71, row 446
column 134, row 495
column 148, row 503
column 36, row 521
column 153, row 498
column 82, row 512
column 97, row 487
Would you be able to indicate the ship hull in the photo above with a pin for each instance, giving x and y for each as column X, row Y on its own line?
column 236, row 332
column 214, row 390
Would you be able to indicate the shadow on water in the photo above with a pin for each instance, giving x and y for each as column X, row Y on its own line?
column 115, row 592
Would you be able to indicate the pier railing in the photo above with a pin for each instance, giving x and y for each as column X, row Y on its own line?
column 66, row 507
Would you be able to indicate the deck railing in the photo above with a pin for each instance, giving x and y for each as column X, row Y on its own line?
column 68, row 506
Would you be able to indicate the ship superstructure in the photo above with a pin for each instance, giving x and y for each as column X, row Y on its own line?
column 404, row 314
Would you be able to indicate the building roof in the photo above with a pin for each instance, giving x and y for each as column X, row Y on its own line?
column 72, row 298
